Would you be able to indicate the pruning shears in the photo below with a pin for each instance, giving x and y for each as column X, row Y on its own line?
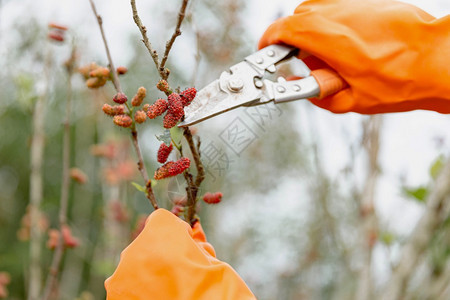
column 244, row 85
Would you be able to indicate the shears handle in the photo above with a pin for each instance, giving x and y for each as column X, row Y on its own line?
column 329, row 82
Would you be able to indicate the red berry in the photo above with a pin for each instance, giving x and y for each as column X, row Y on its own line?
column 120, row 98
column 175, row 105
column 123, row 120
column 212, row 198
column 121, row 70
column 188, row 95
column 157, row 109
column 169, row 120
column 172, row 168
column 163, row 152
column 140, row 116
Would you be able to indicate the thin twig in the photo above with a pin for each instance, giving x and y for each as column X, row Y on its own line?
column 145, row 40
column 143, row 170
column 52, row 277
column 116, row 81
column 134, row 135
column 175, row 34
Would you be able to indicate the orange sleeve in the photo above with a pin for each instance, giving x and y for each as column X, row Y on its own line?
column 394, row 56
column 169, row 260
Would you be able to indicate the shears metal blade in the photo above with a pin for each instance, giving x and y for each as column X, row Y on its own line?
column 244, row 85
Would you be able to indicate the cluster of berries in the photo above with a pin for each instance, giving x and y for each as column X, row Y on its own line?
column 56, row 32
column 120, row 117
column 68, row 239
column 96, row 76
column 170, row 168
column 174, row 105
column 212, row 198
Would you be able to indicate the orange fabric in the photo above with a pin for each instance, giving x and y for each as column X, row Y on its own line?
column 394, row 56
column 169, row 260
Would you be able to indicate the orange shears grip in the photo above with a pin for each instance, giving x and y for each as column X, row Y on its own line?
column 329, row 82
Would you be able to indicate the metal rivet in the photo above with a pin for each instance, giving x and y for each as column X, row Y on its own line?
column 281, row 89
column 259, row 84
column 235, row 84
column 296, row 88
column 271, row 68
column 270, row 53
column 259, row 60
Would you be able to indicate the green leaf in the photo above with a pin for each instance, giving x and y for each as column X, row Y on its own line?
column 165, row 137
column 176, row 134
column 420, row 193
column 436, row 167
column 387, row 238
column 139, row 187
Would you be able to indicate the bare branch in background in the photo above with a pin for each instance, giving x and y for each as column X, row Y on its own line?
column 36, row 185
column 371, row 143
column 437, row 202
column 65, row 185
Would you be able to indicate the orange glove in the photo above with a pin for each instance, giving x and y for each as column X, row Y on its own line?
column 169, row 260
column 394, row 56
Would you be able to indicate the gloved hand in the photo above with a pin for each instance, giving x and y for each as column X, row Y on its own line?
column 394, row 56
column 169, row 260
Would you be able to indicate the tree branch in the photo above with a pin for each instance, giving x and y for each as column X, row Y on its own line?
column 175, row 34
column 116, row 81
column 143, row 170
column 134, row 134
column 145, row 40
column 195, row 150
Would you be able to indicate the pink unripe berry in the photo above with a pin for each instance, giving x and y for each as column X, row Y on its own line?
column 123, row 120
column 139, row 97
column 140, row 116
